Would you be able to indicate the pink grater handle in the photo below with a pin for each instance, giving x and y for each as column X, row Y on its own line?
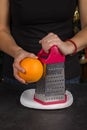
column 54, row 56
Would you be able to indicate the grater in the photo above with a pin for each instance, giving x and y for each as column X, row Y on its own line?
column 50, row 89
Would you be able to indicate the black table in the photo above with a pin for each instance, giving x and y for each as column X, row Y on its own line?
column 14, row 116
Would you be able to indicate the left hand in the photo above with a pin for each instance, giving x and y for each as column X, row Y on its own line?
column 51, row 39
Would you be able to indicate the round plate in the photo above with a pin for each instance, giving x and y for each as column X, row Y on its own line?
column 27, row 100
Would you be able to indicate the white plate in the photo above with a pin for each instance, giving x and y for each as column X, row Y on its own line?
column 27, row 100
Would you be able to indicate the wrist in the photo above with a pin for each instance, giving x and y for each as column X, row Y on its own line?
column 17, row 51
column 73, row 47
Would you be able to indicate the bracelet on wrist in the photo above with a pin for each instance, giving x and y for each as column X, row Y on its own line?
column 75, row 50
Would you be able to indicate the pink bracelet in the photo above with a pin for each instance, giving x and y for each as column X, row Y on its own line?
column 74, row 45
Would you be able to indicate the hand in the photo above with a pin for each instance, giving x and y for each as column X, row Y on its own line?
column 51, row 39
column 20, row 55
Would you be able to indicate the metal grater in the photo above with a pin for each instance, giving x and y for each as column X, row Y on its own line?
column 51, row 87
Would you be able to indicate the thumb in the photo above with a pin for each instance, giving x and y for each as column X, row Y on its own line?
column 32, row 55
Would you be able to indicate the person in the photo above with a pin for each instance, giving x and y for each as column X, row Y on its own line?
column 27, row 26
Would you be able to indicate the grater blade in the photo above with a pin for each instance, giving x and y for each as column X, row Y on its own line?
column 52, row 86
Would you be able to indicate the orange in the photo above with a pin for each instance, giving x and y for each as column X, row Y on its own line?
column 33, row 69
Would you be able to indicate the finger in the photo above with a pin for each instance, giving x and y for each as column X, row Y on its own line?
column 18, row 67
column 32, row 55
column 46, row 37
column 49, row 38
column 17, row 76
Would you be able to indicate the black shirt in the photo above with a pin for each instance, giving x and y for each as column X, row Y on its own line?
column 31, row 20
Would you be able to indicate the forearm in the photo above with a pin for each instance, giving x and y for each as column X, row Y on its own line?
column 81, row 39
column 80, row 42
column 8, row 44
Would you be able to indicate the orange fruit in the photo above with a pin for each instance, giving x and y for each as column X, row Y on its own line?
column 33, row 69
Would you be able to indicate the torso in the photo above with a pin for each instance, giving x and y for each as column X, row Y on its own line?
column 32, row 20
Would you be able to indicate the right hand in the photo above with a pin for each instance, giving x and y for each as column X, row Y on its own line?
column 20, row 55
